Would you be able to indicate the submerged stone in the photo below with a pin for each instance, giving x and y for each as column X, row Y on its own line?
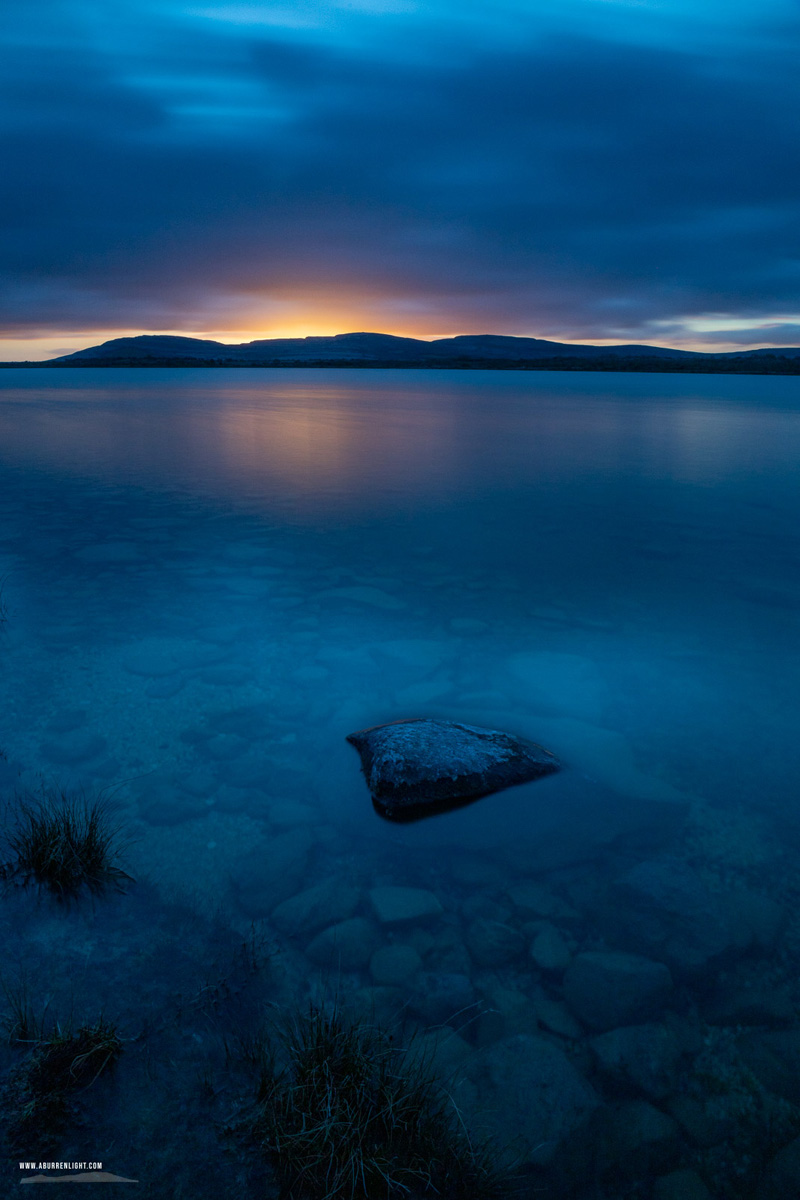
column 402, row 905
column 493, row 943
column 315, row 908
column 159, row 656
column 417, row 767
column 636, row 1139
column 73, row 748
column 606, row 989
column 273, row 871
column 773, row 1057
column 395, row 965
column 414, row 654
column 554, row 1016
column 664, row 909
column 442, row 997
column 530, row 1097
column 549, row 951
column 348, row 945
column 162, row 804
column 639, row 1058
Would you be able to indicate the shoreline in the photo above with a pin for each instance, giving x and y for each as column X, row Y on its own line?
column 769, row 365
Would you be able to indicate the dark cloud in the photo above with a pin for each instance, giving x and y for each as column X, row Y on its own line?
column 584, row 185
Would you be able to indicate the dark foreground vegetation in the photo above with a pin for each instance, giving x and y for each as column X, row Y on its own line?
column 762, row 364
column 65, row 844
column 344, row 1112
column 60, row 1062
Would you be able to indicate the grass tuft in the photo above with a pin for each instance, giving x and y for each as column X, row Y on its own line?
column 64, row 843
column 349, row 1116
column 61, row 1063
column 21, row 1021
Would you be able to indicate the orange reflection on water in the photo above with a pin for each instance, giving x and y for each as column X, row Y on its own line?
column 338, row 442
column 324, row 445
column 297, row 447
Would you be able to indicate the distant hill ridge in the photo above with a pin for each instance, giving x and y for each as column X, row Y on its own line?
column 384, row 349
column 374, row 346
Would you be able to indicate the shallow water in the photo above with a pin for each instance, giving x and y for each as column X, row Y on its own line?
column 212, row 577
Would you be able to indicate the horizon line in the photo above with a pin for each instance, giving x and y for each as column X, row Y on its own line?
column 228, row 340
column 48, row 346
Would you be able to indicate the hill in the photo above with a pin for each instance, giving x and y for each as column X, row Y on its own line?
column 467, row 351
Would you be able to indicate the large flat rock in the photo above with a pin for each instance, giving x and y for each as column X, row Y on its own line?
column 417, row 767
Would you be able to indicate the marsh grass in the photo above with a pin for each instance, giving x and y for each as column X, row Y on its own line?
column 60, row 1063
column 66, row 844
column 21, row 1022
column 348, row 1115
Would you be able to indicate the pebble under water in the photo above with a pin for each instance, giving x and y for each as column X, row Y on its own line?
column 212, row 577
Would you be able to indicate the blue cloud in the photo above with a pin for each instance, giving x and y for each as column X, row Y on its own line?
column 585, row 170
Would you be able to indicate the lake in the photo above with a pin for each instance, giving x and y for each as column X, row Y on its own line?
column 211, row 577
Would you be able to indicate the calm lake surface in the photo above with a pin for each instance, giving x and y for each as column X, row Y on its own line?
column 212, row 577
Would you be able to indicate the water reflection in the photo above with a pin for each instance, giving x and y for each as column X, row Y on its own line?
column 636, row 533
column 375, row 441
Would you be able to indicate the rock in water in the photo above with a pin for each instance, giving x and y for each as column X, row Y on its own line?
column 419, row 767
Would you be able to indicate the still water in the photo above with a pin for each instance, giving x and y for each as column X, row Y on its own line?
column 211, row 577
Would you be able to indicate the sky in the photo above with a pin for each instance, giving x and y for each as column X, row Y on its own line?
column 582, row 170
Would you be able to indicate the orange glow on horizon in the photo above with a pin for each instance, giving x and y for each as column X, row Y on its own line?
column 41, row 345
